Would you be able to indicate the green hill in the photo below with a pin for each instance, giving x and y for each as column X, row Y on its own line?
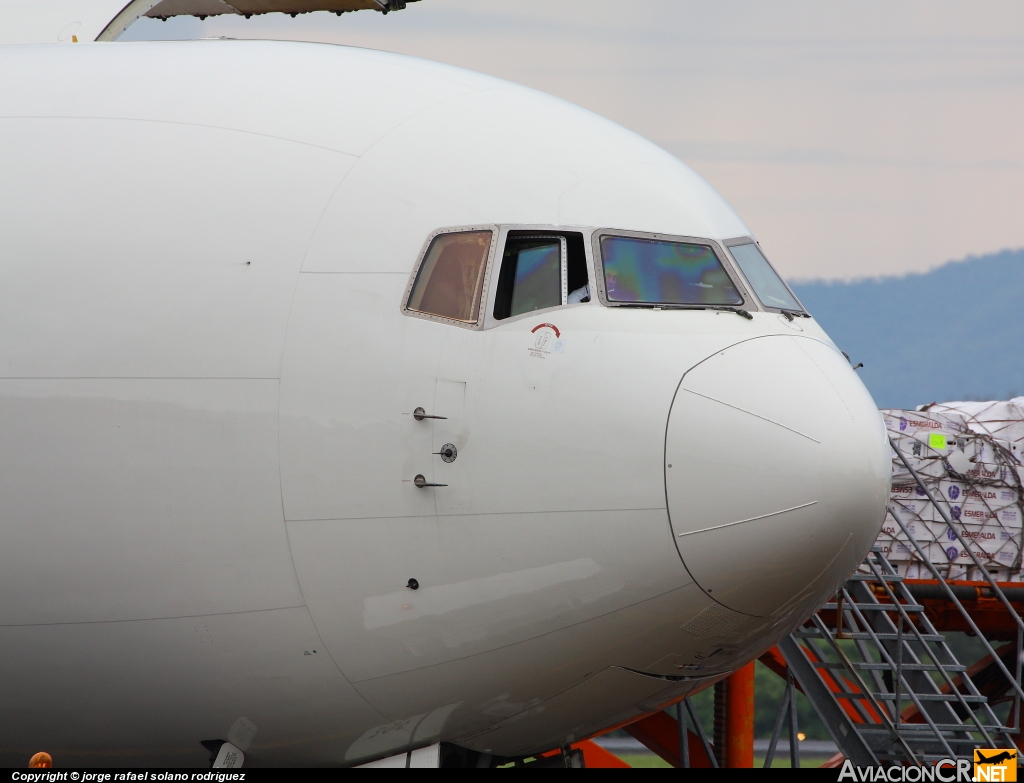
column 954, row 333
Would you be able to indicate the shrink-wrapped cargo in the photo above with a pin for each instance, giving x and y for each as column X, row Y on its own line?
column 1002, row 421
column 968, row 455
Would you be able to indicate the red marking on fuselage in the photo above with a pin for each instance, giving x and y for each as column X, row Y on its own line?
column 550, row 326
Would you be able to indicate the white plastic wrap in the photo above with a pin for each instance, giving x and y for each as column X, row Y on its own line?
column 969, row 456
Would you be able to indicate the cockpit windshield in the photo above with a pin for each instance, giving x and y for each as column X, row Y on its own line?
column 661, row 272
column 763, row 279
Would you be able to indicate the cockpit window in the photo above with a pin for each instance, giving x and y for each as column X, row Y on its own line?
column 451, row 276
column 652, row 271
column 533, row 275
column 763, row 279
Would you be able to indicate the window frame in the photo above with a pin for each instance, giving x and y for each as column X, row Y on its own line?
column 734, row 242
column 725, row 259
column 490, row 321
column 485, row 285
column 563, row 272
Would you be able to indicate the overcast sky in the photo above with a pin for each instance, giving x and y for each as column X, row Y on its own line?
column 855, row 139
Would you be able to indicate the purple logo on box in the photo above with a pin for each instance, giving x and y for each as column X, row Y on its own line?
column 950, row 534
column 903, row 424
column 919, row 491
column 953, row 492
column 952, row 553
column 954, row 512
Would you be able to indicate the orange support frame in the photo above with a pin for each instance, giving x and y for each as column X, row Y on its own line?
column 660, row 732
column 773, row 660
column 739, row 719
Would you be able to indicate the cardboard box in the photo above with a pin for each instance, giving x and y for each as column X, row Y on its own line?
column 909, row 497
column 1006, row 556
column 922, row 445
column 991, row 472
column 929, row 468
column 989, row 551
column 980, row 538
column 962, row 494
column 977, row 514
column 895, row 551
column 915, row 422
column 919, row 529
column 989, row 495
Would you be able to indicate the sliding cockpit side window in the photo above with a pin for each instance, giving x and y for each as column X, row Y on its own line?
column 667, row 272
column 532, row 275
column 450, row 278
column 765, row 281
column 538, row 271
column 579, row 279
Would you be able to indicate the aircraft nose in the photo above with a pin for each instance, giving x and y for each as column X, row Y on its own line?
column 777, row 473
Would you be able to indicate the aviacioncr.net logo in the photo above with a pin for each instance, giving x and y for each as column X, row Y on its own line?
column 944, row 771
column 995, row 764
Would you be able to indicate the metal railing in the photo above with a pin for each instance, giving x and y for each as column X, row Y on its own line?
column 882, row 651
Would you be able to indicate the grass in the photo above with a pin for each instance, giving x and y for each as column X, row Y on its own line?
column 644, row 760
column 781, row 760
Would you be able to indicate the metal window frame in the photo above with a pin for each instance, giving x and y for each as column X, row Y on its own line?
column 725, row 259
column 563, row 273
column 538, row 229
column 484, row 288
column 735, row 242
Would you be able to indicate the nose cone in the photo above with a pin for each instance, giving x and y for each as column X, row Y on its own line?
column 779, row 473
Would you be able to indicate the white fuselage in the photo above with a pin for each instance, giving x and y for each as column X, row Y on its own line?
column 207, row 386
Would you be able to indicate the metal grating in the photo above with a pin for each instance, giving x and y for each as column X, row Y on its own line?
column 884, row 679
column 895, row 690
